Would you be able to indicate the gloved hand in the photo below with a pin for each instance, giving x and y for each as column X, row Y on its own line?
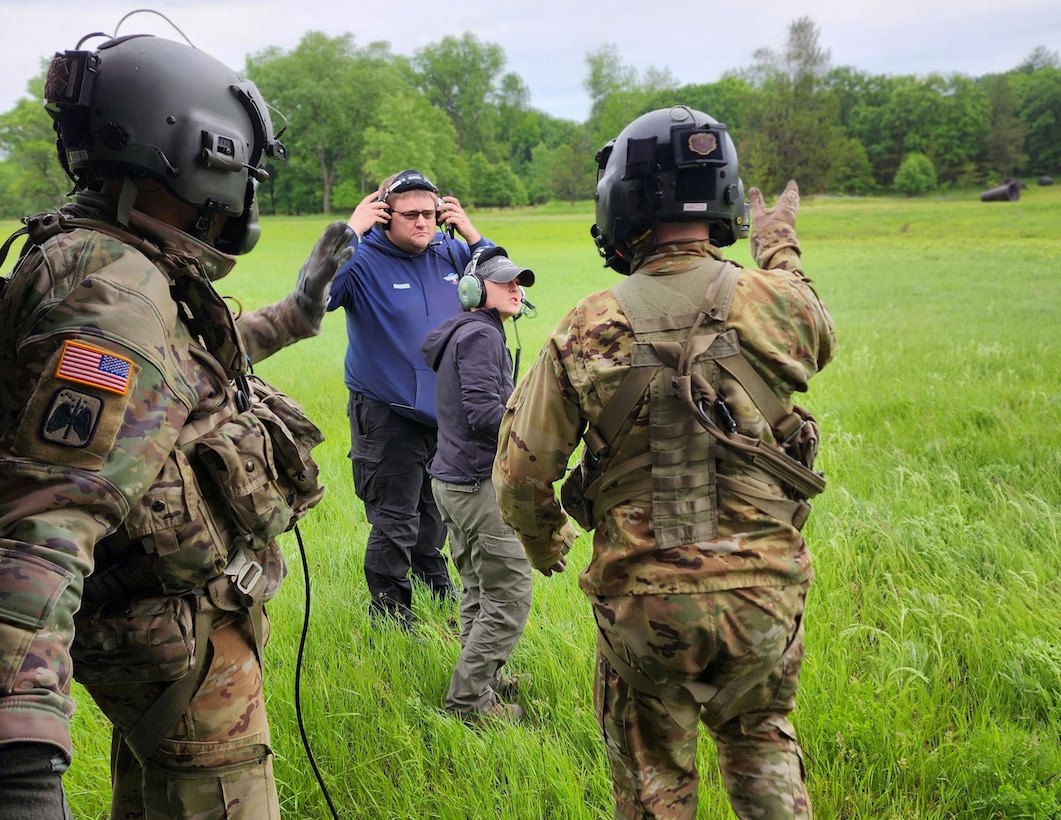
column 330, row 253
column 773, row 228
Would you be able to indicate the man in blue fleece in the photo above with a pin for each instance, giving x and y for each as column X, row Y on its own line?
column 401, row 284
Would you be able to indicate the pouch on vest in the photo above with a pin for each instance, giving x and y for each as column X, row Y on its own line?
column 573, row 494
column 145, row 641
column 261, row 466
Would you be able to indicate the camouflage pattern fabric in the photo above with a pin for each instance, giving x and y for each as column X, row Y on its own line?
column 217, row 761
column 677, row 611
column 785, row 332
column 727, row 638
column 105, row 395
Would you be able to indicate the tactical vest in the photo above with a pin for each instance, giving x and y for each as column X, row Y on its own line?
column 682, row 348
column 200, row 542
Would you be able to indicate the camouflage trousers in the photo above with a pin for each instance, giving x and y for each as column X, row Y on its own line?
column 216, row 762
column 740, row 651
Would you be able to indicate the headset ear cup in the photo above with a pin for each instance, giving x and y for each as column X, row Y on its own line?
column 471, row 291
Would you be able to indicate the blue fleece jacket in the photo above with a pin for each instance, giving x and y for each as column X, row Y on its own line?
column 392, row 299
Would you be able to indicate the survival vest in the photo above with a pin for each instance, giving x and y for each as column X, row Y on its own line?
column 681, row 350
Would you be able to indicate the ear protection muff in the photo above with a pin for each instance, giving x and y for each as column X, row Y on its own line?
column 471, row 289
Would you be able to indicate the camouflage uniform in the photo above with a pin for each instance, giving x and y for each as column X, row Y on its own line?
column 137, row 485
column 723, row 613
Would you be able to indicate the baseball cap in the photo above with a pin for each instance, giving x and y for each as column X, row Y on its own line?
column 497, row 267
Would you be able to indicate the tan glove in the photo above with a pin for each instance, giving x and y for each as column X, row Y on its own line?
column 330, row 253
column 773, row 228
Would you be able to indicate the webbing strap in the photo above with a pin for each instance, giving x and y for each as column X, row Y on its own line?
column 144, row 738
column 700, row 692
column 785, row 424
column 784, row 510
column 161, row 716
column 599, row 437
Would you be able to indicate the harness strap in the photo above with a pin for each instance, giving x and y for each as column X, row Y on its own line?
column 785, row 510
column 144, row 738
column 785, row 424
column 160, row 717
column 599, row 437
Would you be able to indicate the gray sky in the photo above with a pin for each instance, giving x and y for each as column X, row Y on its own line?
column 546, row 41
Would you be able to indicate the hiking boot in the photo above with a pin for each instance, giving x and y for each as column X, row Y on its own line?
column 509, row 686
column 509, row 712
column 506, row 712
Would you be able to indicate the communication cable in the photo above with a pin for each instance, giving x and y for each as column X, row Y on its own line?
column 298, row 679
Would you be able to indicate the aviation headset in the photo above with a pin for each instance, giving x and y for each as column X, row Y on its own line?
column 471, row 289
column 411, row 180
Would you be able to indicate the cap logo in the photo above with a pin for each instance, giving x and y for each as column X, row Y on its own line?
column 703, row 143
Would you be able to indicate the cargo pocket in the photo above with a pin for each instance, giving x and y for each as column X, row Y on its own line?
column 31, row 589
column 150, row 640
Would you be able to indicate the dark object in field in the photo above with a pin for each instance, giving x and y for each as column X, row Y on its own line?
column 1009, row 192
column 1045, row 180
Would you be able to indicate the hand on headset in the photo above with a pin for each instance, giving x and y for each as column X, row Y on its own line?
column 370, row 211
column 452, row 215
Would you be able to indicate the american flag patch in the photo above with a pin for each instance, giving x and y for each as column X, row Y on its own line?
column 85, row 364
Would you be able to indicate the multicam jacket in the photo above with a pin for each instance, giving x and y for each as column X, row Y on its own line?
column 787, row 335
column 118, row 410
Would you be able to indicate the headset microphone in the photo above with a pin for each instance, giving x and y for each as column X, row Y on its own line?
column 525, row 306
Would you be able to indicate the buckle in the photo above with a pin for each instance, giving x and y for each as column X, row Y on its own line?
column 244, row 571
column 794, row 433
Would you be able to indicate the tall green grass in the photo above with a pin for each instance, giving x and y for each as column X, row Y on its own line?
column 932, row 685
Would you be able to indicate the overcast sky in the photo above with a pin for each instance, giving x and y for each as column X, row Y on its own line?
column 546, row 41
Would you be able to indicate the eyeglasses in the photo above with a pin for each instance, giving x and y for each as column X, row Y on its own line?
column 430, row 216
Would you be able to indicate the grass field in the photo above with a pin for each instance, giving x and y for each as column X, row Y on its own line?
column 932, row 685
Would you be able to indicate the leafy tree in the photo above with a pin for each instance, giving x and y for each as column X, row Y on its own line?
column 328, row 93
column 1039, row 96
column 607, row 76
column 791, row 125
column 916, row 175
column 942, row 117
column 459, row 76
column 519, row 127
column 1041, row 57
column 567, row 172
column 852, row 170
column 33, row 179
column 1005, row 137
column 495, row 184
column 411, row 133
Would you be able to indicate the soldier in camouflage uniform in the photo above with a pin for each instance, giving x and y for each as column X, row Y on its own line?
column 144, row 472
column 699, row 573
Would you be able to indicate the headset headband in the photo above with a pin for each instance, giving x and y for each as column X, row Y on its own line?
column 408, row 181
column 482, row 254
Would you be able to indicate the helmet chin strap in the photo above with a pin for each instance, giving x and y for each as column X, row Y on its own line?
column 126, row 200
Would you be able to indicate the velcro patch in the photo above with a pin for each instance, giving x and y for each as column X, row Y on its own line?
column 76, row 425
column 72, row 418
column 91, row 366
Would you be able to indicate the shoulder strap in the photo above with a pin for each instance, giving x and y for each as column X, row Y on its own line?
column 599, row 437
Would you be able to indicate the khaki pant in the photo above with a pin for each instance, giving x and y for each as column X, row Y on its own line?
column 746, row 642
column 495, row 590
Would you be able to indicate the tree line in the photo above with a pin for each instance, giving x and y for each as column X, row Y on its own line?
column 354, row 114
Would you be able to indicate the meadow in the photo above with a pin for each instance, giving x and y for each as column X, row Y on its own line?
column 932, row 683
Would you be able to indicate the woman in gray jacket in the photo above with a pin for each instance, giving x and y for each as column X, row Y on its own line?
column 475, row 379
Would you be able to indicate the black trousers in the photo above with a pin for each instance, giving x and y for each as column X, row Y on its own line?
column 389, row 453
